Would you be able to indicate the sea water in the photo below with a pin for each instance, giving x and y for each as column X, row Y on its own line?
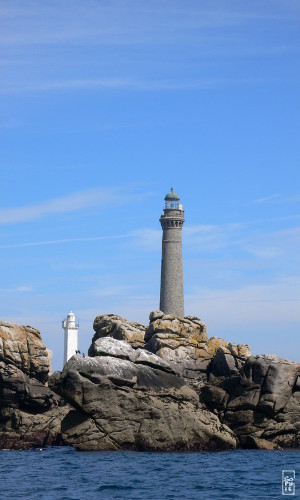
column 63, row 473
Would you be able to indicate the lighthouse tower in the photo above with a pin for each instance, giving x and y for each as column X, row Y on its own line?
column 171, row 284
column 70, row 328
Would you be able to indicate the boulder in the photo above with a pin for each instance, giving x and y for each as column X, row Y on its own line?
column 130, row 399
column 167, row 387
column 23, row 347
column 179, row 341
column 228, row 359
column 184, row 344
column 111, row 325
column 259, row 401
column 260, row 444
column 30, row 413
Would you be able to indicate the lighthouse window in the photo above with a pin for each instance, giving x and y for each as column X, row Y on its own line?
column 172, row 204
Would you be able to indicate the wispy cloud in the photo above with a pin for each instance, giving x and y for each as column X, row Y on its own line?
column 266, row 199
column 274, row 219
column 129, row 84
column 73, row 84
column 200, row 237
column 70, row 203
column 63, row 241
column 34, row 22
column 189, row 30
column 262, row 244
column 254, row 306
column 18, row 289
column 277, row 198
column 147, row 238
column 265, row 316
column 203, row 238
column 273, row 245
column 211, row 229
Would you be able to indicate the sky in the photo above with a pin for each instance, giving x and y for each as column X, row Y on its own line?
column 107, row 104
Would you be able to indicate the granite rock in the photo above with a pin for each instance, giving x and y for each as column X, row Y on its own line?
column 130, row 399
column 167, row 387
column 184, row 344
column 111, row 325
column 260, row 401
column 23, row 347
column 30, row 413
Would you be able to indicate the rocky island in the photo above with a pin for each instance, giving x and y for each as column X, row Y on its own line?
column 167, row 386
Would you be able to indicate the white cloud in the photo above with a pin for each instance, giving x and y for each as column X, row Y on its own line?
column 20, row 289
column 147, row 238
column 116, row 22
column 30, row 29
column 24, row 289
column 199, row 237
column 64, row 241
column 264, row 316
column 127, row 83
column 272, row 305
column 276, row 244
column 277, row 198
column 203, row 238
column 70, row 203
column 209, row 238
column 206, row 229
column 266, row 199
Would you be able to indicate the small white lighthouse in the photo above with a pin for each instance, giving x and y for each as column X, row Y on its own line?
column 70, row 328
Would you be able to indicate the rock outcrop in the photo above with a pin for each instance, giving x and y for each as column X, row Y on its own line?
column 260, row 402
column 131, row 399
column 22, row 346
column 258, row 397
column 165, row 387
column 184, row 343
column 111, row 325
column 30, row 413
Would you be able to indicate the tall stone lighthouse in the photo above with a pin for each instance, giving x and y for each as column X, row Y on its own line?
column 171, row 284
column 70, row 328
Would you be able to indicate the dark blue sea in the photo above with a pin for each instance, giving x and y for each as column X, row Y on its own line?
column 63, row 473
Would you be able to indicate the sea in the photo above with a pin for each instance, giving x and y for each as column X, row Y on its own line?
column 64, row 473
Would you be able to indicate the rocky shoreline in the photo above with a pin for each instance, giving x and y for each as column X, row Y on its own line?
column 164, row 387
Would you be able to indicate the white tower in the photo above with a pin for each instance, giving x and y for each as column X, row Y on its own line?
column 70, row 328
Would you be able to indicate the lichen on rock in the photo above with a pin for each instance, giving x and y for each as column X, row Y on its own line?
column 30, row 413
column 184, row 343
column 23, row 347
column 165, row 387
column 260, row 401
column 111, row 325
column 132, row 399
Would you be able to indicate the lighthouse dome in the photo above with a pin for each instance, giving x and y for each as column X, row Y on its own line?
column 172, row 196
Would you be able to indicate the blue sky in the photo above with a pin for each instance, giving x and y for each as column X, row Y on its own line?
column 104, row 106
